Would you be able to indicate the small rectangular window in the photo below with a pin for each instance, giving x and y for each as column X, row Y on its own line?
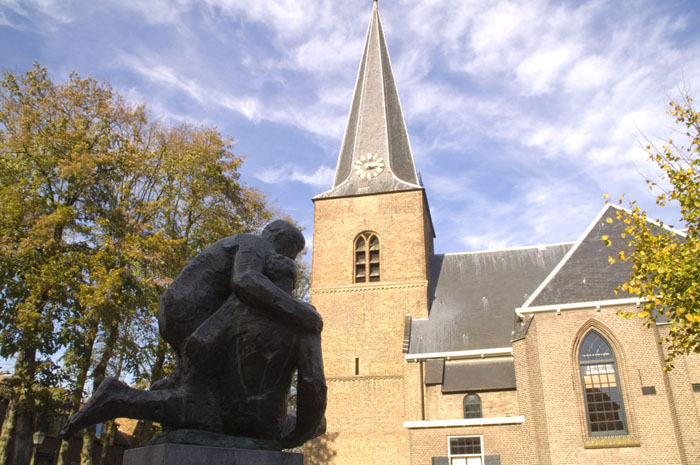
column 696, row 387
column 465, row 450
column 648, row 390
column 357, row 366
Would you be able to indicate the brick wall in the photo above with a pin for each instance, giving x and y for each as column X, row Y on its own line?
column 365, row 420
column 441, row 406
column 683, row 401
column 398, row 219
column 373, row 390
column 556, row 412
column 503, row 440
column 414, row 392
column 364, row 323
column 528, row 377
column 693, row 364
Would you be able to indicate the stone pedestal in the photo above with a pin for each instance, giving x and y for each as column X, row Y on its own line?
column 180, row 454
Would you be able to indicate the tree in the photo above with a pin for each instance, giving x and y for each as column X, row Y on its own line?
column 55, row 143
column 666, row 263
column 100, row 208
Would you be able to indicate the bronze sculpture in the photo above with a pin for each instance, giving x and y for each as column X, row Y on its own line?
column 238, row 335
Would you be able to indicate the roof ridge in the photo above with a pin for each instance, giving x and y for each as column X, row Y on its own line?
column 557, row 269
column 568, row 255
column 525, row 247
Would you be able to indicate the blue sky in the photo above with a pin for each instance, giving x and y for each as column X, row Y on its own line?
column 521, row 114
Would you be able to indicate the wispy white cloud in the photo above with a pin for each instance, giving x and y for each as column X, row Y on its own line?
column 41, row 12
column 561, row 82
column 288, row 18
column 327, row 54
column 558, row 94
column 322, row 177
column 163, row 74
column 315, row 117
column 157, row 11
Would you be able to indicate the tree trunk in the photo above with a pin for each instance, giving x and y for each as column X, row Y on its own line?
column 8, row 430
column 157, row 372
column 109, row 430
column 24, row 429
column 63, row 452
column 98, row 375
column 83, row 363
column 88, row 449
column 25, row 368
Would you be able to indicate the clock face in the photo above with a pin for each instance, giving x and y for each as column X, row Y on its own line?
column 369, row 166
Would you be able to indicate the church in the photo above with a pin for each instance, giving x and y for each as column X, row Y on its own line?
column 503, row 357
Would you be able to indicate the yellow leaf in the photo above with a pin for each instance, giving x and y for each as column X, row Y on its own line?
column 643, row 314
column 609, row 220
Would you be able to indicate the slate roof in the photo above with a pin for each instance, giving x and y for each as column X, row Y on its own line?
column 478, row 375
column 472, row 297
column 585, row 274
column 375, row 126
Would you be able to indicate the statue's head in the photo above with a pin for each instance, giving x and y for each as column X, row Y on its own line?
column 286, row 239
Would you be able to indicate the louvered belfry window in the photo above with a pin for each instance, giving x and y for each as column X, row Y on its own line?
column 366, row 257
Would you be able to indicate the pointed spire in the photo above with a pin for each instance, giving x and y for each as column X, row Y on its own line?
column 376, row 154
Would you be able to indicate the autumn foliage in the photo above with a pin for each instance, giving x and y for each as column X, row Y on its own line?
column 100, row 207
column 666, row 262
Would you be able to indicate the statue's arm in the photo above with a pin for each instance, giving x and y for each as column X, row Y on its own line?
column 255, row 289
column 311, row 393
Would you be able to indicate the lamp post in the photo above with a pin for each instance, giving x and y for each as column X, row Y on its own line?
column 37, row 438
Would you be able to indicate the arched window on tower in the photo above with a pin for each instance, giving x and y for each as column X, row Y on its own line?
column 472, row 406
column 605, row 411
column 366, row 257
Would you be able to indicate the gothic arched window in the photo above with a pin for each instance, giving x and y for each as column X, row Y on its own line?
column 605, row 411
column 472, row 406
column 366, row 257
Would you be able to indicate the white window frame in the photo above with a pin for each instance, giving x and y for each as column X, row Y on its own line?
column 450, row 455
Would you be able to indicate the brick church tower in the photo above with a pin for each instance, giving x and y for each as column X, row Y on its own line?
column 372, row 242
column 495, row 357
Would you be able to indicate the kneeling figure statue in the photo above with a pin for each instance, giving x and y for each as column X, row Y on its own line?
column 238, row 335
